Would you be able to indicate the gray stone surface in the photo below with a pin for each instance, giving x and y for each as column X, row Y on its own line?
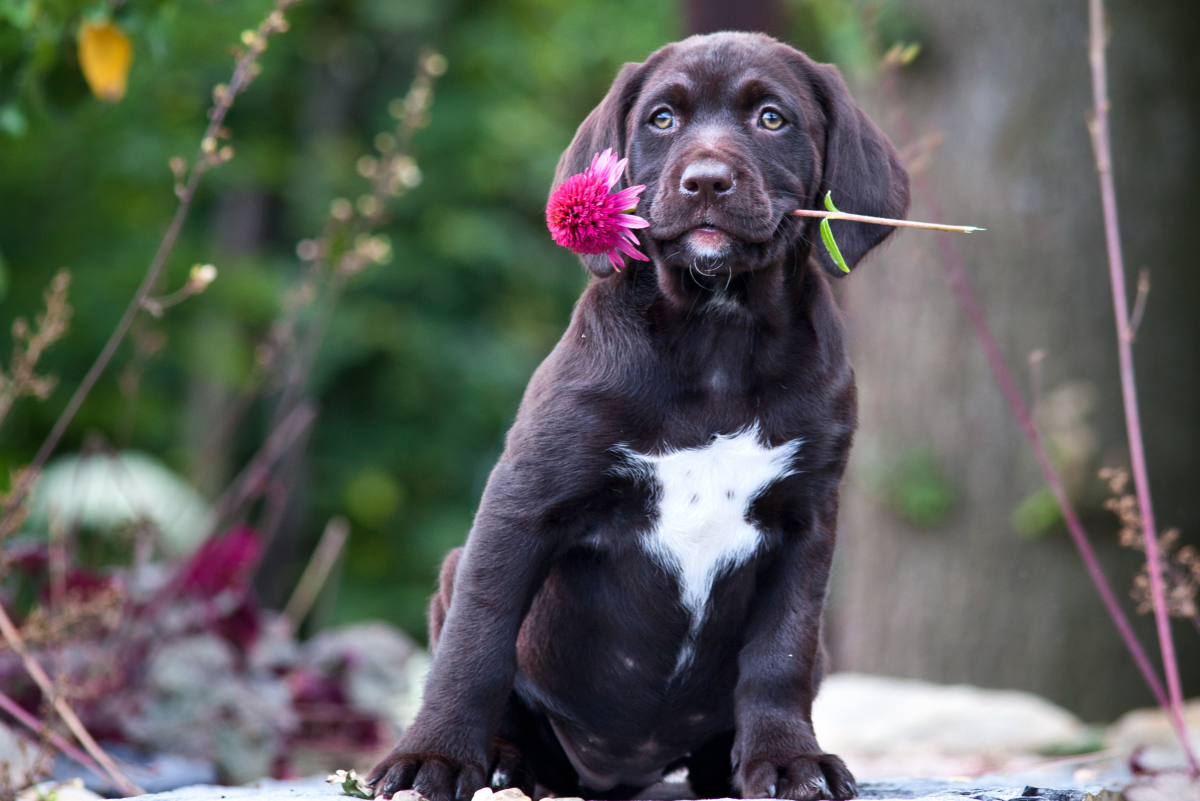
column 904, row 789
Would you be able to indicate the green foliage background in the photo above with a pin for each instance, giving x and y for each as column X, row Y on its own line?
column 427, row 356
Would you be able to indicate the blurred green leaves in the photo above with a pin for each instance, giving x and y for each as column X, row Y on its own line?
column 854, row 34
column 913, row 485
column 1036, row 514
column 426, row 356
column 372, row 497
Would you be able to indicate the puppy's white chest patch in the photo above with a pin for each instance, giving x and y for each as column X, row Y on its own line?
column 703, row 497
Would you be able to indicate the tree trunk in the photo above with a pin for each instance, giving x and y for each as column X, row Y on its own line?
column 933, row 581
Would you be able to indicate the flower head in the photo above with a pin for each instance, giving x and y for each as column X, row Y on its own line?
column 587, row 217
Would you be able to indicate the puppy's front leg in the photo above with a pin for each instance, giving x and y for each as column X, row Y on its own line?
column 775, row 752
column 444, row 754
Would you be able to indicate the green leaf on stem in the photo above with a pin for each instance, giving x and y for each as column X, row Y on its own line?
column 827, row 236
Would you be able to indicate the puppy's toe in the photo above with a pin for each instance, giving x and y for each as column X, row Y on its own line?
column 801, row 780
column 470, row 779
column 508, row 768
column 436, row 781
column 838, row 777
column 393, row 775
column 759, row 780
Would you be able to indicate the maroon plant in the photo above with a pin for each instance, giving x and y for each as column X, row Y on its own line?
column 1098, row 125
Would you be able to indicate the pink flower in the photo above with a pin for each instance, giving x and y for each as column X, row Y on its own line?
column 585, row 218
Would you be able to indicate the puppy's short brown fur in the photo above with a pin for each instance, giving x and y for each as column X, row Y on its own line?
column 643, row 585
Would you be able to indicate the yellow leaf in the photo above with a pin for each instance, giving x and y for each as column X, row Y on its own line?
column 105, row 55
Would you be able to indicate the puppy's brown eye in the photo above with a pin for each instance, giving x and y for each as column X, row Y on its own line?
column 662, row 119
column 771, row 120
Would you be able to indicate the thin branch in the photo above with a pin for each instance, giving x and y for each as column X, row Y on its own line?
column 35, row 671
column 1133, row 424
column 33, row 724
column 957, row 278
column 209, row 155
column 247, row 482
column 317, row 571
column 841, row 215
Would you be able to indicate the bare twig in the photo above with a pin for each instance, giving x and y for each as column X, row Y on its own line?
column 317, row 571
column 957, row 277
column 33, row 724
column 253, row 475
column 1125, row 334
column 269, row 355
column 209, row 155
column 841, row 215
column 35, row 671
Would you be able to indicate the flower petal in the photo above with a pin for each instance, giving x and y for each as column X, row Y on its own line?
column 631, row 251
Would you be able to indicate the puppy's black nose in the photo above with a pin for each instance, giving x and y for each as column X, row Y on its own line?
column 707, row 178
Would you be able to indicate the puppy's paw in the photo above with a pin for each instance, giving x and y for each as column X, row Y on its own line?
column 435, row 776
column 507, row 768
column 804, row 777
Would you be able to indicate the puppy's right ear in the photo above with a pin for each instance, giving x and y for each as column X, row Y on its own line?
column 605, row 127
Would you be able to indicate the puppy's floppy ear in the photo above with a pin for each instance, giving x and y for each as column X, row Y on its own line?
column 605, row 127
column 861, row 169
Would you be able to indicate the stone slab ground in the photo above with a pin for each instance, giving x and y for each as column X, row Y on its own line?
column 905, row 789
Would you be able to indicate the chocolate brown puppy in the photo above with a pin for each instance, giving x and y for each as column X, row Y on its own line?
column 643, row 585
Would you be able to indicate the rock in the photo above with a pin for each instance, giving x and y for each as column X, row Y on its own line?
column 72, row 790
column 885, row 727
column 509, row 794
column 1151, row 728
column 1150, row 733
column 153, row 772
column 17, row 758
column 1165, row 787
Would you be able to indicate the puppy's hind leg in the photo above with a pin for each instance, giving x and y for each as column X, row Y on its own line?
column 439, row 604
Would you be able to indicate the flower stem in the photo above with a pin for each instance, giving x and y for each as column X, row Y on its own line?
column 1137, row 451
column 841, row 215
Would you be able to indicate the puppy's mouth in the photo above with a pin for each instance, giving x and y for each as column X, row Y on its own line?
column 708, row 240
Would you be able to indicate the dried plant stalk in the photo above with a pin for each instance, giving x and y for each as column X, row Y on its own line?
column 35, row 671
column 28, row 345
column 1181, row 564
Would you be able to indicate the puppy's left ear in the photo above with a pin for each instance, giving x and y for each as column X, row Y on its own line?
column 861, row 169
column 605, row 127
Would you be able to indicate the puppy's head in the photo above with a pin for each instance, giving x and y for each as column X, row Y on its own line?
column 729, row 132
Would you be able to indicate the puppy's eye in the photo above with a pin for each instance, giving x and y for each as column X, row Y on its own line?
column 771, row 120
column 663, row 119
